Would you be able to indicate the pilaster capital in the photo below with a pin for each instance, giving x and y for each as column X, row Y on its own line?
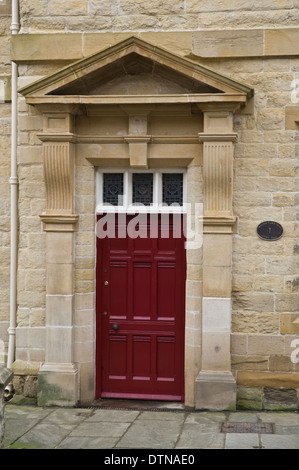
column 60, row 222
column 217, row 137
column 219, row 224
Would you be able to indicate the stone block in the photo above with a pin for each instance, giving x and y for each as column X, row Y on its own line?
column 270, row 119
column 280, row 399
column 5, row 8
column 228, row 43
column 249, row 398
column 287, row 303
column 60, row 279
column 268, row 324
column 268, row 379
column 59, row 247
column 5, row 89
column 215, row 391
column 57, row 46
column 281, row 42
column 286, row 167
column 265, row 345
column 283, row 199
column 193, row 304
column 30, row 155
column 25, row 378
column 280, row 363
column 38, row 317
column 83, row 351
column 59, row 344
column 86, row 383
column 217, row 250
column 254, row 301
column 250, row 362
column 59, row 310
column 217, row 281
column 238, row 344
column 58, row 385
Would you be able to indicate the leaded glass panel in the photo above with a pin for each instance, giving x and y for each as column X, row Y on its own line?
column 173, row 188
column 143, row 188
column 113, row 188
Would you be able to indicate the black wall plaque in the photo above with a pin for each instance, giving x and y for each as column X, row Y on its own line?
column 269, row 230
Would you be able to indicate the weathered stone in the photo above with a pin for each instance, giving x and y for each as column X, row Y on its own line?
column 249, row 362
column 268, row 379
column 280, row 399
column 249, row 398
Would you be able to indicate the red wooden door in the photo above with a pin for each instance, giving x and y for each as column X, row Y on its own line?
column 141, row 313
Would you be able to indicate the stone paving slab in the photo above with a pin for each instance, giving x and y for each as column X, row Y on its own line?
column 42, row 436
column 101, row 429
column 151, row 434
column 242, row 441
column 276, row 441
column 32, row 427
column 88, row 443
column 196, row 440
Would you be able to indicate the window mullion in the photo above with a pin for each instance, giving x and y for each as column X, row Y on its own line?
column 157, row 188
column 127, row 189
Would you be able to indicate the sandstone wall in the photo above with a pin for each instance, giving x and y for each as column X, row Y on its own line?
column 157, row 15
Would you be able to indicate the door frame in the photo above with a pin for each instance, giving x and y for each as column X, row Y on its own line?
column 129, row 209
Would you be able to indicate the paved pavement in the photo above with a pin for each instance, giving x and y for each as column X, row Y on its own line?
column 32, row 427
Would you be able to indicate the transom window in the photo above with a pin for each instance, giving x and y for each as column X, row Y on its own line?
column 161, row 190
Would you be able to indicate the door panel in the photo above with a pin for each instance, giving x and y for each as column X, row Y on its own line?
column 140, row 315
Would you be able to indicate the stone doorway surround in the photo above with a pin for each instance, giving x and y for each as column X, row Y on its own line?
column 151, row 79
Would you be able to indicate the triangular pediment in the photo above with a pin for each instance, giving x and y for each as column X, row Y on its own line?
column 133, row 68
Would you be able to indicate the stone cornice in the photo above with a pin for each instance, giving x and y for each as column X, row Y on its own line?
column 116, row 139
column 57, row 137
column 234, row 99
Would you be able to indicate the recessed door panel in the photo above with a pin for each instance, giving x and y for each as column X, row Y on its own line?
column 166, row 358
column 142, row 287
column 117, row 357
column 118, row 278
column 166, row 286
column 141, row 357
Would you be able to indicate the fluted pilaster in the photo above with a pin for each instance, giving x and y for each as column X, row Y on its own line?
column 59, row 177
column 215, row 384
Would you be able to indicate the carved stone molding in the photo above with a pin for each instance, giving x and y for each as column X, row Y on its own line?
column 220, row 224
column 58, row 155
column 218, row 173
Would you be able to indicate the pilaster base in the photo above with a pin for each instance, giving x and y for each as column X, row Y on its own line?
column 215, row 391
column 58, row 385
